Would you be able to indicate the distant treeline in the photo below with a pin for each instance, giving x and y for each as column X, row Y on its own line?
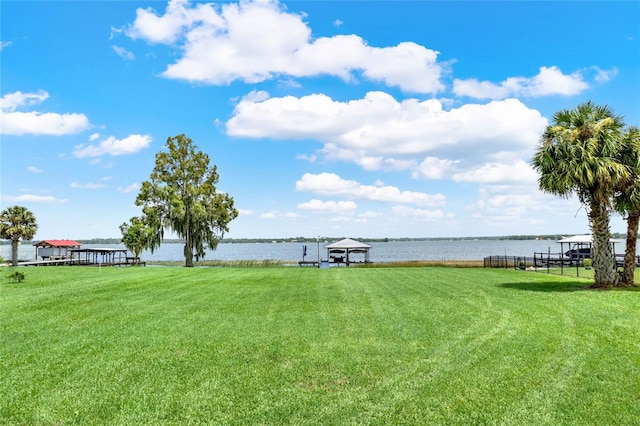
column 554, row 237
column 382, row 240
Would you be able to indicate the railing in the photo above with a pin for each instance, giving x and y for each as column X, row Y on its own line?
column 509, row 262
column 555, row 263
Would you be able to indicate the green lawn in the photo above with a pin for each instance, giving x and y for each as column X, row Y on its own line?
column 308, row 346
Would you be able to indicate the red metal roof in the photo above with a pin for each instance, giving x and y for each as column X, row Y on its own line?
column 58, row 243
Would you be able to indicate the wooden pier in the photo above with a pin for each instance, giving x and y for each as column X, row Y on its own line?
column 89, row 257
column 52, row 262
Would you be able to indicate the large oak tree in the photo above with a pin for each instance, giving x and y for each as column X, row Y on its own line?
column 181, row 196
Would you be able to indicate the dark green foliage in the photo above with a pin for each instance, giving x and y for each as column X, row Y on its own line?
column 16, row 277
column 17, row 223
column 579, row 154
column 627, row 199
column 136, row 235
column 181, row 196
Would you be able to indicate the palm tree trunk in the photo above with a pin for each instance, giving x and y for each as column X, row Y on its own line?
column 14, row 252
column 630, row 251
column 604, row 265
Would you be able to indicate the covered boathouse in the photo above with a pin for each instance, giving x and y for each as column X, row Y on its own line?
column 69, row 252
column 343, row 251
column 56, row 249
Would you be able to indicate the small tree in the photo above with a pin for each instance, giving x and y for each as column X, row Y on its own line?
column 136, row 235
column 181, row 195
column 17, row 223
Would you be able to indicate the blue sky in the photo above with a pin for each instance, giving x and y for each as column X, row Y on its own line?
column 356, row 119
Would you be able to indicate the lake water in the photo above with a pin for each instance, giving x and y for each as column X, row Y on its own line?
column 392, row 251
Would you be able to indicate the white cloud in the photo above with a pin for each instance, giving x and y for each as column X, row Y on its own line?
column 516, row 173
column 330, row 184
column 371, row 215
column 4, row 44
column 305, row 157
column 420, row 214
column 168, row 27
column 77, row 185
column 30, row 198
column 380, row 133
column 277, row 214
column 328, row 206
column 549, row 81
column 14, row 122
column 127, row 189
column 112, row 146
column 123, row 53
column 508, row 207
column 257, row 40
column 35, row 123
column 602, row 76
column 11, row 101
column 433, row 168
column 34, row 169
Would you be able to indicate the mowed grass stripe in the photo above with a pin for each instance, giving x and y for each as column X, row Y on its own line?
column 309, row 346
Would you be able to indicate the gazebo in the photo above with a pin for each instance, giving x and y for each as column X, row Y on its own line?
column 340, row 251
column 56, row 249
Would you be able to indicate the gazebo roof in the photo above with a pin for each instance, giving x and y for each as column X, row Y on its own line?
column 348, row 243
column 58, row 243
column 582, row 239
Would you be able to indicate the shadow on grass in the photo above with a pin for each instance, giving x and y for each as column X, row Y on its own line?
column 554, row 286
column 549, row 286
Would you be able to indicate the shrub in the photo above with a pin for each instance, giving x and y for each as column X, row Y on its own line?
column 16, row 277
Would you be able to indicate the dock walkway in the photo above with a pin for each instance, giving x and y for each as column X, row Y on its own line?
column 53, row 262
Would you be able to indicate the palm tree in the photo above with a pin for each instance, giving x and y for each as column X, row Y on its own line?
column 627, row 200
column 578, row 154
column 17, row 223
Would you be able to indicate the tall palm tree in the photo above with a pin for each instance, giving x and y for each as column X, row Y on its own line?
column 578, row 154
column 627, row 200
column 17, row 223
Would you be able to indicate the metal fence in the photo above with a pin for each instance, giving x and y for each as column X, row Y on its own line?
column 509, row 262
column 551, row 263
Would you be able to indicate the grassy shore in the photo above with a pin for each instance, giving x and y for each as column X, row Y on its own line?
column 271, row 263
column 338, row 346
